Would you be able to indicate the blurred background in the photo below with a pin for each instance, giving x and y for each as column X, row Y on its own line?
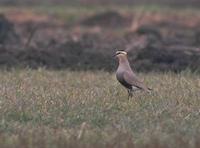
column 100, row 2
column 160, row 35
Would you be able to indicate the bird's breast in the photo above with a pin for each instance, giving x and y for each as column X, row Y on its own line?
column 120, row 78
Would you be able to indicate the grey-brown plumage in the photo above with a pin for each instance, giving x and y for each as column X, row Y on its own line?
column 126, row 76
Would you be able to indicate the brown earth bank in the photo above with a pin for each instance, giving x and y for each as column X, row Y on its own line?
column 155, row 42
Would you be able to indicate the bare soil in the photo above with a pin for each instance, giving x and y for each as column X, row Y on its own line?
column 155, row 41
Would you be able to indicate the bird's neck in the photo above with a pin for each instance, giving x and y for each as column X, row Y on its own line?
column 123, row 61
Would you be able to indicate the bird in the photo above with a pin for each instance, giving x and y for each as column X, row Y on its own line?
column 126, row 76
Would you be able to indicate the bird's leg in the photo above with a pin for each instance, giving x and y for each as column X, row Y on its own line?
column 130, row 94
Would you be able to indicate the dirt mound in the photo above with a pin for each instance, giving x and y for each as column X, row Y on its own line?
column 164, row 44
column 71, row 55
column 107, row 19
column 171, row 58
column 7, row 31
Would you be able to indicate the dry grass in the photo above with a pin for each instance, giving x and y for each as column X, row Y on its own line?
column 40, row 108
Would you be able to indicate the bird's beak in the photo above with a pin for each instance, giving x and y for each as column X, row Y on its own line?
column 114, row 56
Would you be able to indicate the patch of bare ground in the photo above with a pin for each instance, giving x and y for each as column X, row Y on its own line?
column 170, row 42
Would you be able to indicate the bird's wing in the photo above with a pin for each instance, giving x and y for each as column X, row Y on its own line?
column 131, row 79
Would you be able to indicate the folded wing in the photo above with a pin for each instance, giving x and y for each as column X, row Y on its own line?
column 131, row 79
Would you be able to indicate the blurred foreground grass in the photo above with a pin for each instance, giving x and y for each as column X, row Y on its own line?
column 42, row 108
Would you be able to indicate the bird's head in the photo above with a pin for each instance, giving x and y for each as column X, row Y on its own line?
column 120, row 53
column 122, row 57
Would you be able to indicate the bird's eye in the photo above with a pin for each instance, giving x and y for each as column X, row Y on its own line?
column 117, row 53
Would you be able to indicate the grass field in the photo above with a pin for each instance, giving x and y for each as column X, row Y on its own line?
column 43, row 108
